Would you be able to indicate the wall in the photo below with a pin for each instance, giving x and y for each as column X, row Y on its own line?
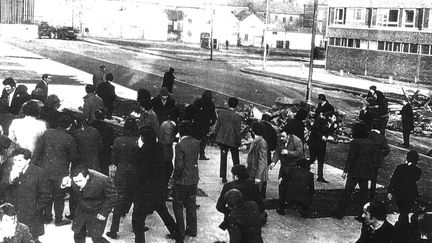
column 402, row 66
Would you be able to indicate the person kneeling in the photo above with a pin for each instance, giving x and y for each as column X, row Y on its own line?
column 244, row 222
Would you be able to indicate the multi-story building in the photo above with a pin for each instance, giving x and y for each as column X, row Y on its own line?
column 17, row 11
column 382, row 38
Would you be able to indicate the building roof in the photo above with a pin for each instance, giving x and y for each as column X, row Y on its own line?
column 279, row 8
column 243, row 14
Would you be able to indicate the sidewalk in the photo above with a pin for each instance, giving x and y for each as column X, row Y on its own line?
column 69, row 84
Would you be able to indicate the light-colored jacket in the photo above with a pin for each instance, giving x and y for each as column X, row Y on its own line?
column 257, row 165
column 27, row 131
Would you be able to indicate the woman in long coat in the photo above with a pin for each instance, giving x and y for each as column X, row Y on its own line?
column 257, row 158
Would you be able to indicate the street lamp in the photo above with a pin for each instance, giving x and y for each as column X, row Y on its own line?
column 264, row 35
column 309, row 83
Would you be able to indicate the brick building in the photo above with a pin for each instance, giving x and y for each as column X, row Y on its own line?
column 381, row 38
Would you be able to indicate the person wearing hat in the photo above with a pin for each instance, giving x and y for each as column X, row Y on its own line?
column 168, row 80
column 99, row 77
column 323, row 107
column 403, row 185
column 162, row 104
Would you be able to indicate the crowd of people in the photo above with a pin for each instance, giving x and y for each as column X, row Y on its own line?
column 48, row 155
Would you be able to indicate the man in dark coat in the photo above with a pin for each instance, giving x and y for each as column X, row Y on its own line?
column 323, row 108
column 43, row 85
column 99, row 77
column 381, row 106
column 228, row 127
column 249, row 190
column 96, row 198
column 106, row 133
column 162, row 104
column 321, row 131
column 28, row 191
column 269, row 135
column 92, row 103
column 49, row 112
column 106, row 91
column 186, row 179
column 5, row 117
column 168, row 80
column 359, row 167
column 11, row 96
column 403, row 185
column 407, row 122
column 376, row 228
column 150, row 191
column 382, row 149
column 243, row 221
column 89, row 145
column 205, row 117
column 369, row 113
column 288, row 151
column 297, row 125
column 54, row 153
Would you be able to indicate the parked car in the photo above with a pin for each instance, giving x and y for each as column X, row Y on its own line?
column 66, row 32
column 44, row 29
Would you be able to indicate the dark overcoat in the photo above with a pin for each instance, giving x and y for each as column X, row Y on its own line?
column 50, row 115
column 360, row 161
column 106, row 91
column 16, row 103
column 249, row 190
column 22, row 235
column 319, row 129
column 89, row 145
column 205, row 115
column 55, row 152
column 161, row 109
column 407, row 118
column 245, row 224
column 44, row 87
column 30, row 194
column 403, row 183
column 323, row 109
column 149, row 171
column 97, row 197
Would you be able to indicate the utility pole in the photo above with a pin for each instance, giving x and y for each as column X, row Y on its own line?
column 264, row 35
column 211, row 34
column 309, row 83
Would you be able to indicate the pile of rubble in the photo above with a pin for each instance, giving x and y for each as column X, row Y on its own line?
column 421, row 105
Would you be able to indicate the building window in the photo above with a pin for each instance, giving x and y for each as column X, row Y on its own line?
column 357, row 43
column 190, row 21
column 356, row 17
column 396, row 46
column 344, row 42
column 274, row 32
column 405, row 47
column 408, row 18
column 331, row 41
column 427, row 17
column 387, row 17
column 388, row 46
column 291, row 18
column 413, row 48
column 246, row 37
column 350, row 42
column 276, row 17
column 284, row 20
column 338, row 42
column 381, row 45
column 425, row 49
column 339, row 16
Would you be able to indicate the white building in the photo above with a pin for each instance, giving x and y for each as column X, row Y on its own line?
column 251, row 28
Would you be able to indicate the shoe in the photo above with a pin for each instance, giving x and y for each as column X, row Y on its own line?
column 62, row 222
column 169, row 199
column 112, row 235
column 359, row 219
column 203, row 158
column 280, row 211
column 322, row 180
column 146, row 228
column 404, row 145
column 197, row 206
column 224, row 180
column 171, row 236
column 70, row 217
column 188, row 232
